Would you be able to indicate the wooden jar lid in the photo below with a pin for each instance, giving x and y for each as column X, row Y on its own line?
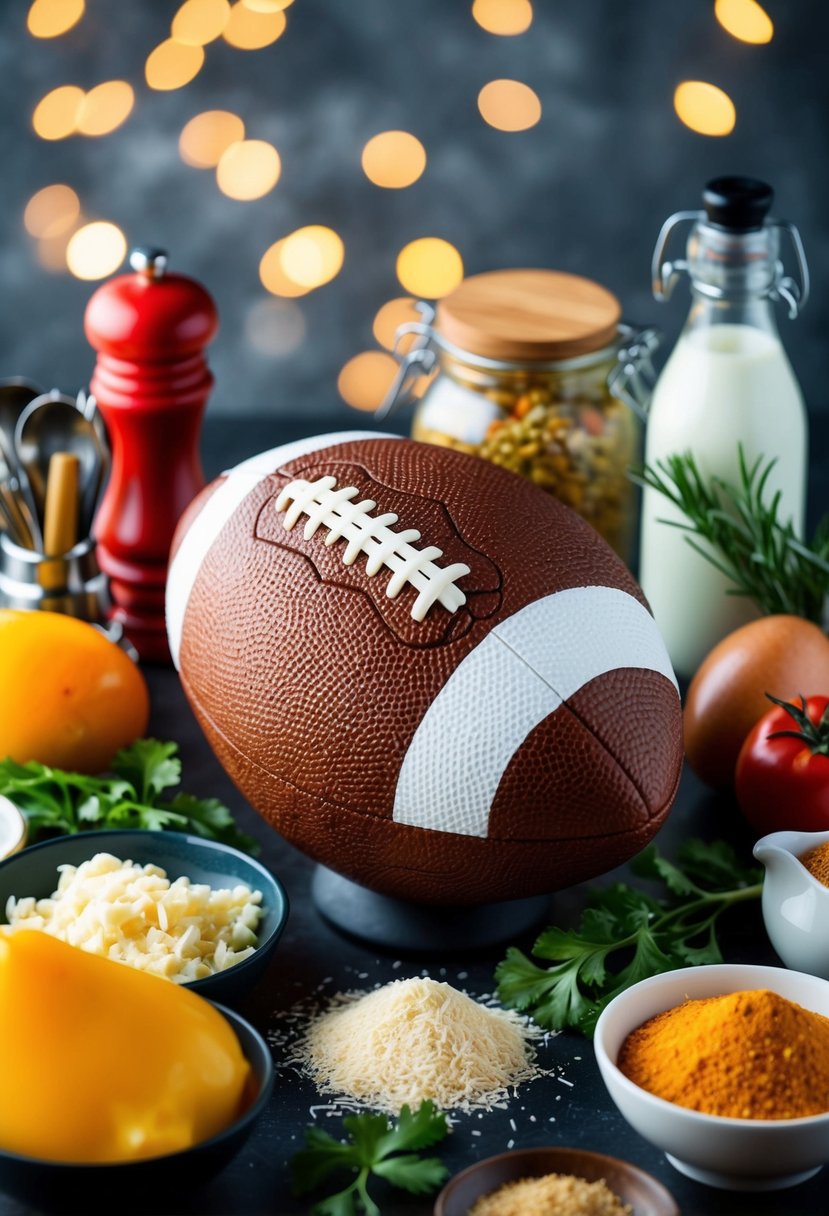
column 519, row 315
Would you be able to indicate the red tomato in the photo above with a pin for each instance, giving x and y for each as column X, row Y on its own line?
column 782, row 783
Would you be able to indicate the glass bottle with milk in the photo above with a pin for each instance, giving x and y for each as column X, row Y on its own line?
column 727, row 382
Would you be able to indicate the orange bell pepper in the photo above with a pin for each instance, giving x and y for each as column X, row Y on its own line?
column 99, row 1062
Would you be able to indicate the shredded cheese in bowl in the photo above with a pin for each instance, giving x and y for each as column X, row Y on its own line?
column 133, row 914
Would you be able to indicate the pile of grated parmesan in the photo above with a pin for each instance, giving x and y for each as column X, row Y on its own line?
column 416, row 1039
column 133, row 914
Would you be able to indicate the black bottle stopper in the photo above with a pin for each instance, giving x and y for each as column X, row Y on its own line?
column 738, row 203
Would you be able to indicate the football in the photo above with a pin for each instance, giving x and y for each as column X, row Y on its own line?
column 422, row 670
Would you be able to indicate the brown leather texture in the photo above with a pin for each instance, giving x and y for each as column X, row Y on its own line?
column 310, row 684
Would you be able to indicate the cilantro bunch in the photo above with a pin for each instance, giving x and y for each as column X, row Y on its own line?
column 626, row 935
column 132, row 796
column 375, row 1147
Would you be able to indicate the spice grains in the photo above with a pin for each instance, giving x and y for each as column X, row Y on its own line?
column 746, row 1055
column 551, row 1195
column 816, row 862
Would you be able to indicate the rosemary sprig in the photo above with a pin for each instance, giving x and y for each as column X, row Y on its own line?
column 739, row 530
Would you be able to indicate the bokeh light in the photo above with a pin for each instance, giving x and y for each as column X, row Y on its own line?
column 509, row 105
column 198, row 22
column 393, row 159
column 250, row 29
column 365, row 379
column 388, row 319
column 56, row 114
column 51, row 251
column 267, row 6
column 206, row 137
column 172, row 65
column 273, row 277
column 96, row 250
column 503, row 17
column 50, row 18
column 51, row 212
column 312, row 256
column 275, row 328
column 248, row 169
column 704, row 108
column 429, row 267
column 105, row 107
column 745, row 19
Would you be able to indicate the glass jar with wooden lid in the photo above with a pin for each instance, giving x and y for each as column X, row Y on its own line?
column 534, row 370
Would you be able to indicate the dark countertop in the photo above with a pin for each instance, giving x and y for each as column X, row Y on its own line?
column 569, row 1108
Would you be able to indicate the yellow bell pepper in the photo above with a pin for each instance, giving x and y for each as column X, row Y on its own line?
column 99, row 1062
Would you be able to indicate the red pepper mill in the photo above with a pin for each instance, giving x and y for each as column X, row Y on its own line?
column 151, row 382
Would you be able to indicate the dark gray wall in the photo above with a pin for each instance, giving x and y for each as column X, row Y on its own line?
column 585, row 190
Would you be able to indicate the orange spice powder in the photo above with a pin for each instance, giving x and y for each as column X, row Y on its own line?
column 747, row 1055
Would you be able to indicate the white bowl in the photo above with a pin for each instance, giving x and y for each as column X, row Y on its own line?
column 736, row 1154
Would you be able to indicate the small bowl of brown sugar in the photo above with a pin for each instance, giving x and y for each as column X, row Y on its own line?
column 726, row 1069
column 566, row 1181
column 796, row 898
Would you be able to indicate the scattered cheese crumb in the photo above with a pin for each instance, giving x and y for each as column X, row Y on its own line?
column 414, row 1039
column 133, row 914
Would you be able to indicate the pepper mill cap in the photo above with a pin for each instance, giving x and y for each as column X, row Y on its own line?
column 149, row 314
column 148, row 260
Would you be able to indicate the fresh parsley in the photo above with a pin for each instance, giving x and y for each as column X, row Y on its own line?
column 374, row 1147
column 132, row 796
column 643, row 935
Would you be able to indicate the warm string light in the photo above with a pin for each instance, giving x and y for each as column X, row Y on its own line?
column 206, row 137
column 105, row 108
column 51, row 18
column 267, row 6
column 704, row 108
column 745, row 19
column 56, row 114
column 393, row 159
column 366, row 378
column 250, row 29
column 509, row 105
column 248, row 169
column 273, row 276
column 504, row 17
column 198, row 22
column 306, row 259
column 96, row 250
column 388, row 320
column 429, row 267
column 312, row 256
column 68, row 110
column 51, row 251
column 51, row 212
column 172, row 65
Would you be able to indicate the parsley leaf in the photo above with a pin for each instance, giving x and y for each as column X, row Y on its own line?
column 55, row 801
column 149, row 766
column 375, row 1147
column 626, row 935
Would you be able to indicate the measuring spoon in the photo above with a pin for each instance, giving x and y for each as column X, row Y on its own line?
column 53, row 423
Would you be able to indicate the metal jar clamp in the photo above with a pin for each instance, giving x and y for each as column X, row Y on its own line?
column 631, row 380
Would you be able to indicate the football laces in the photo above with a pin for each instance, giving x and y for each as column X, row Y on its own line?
column 337, row 509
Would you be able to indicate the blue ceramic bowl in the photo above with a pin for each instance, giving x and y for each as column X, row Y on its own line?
column 34, row 871
column 141, row 1186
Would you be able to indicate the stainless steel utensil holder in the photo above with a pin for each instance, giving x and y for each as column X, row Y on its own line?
column 71, row 584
